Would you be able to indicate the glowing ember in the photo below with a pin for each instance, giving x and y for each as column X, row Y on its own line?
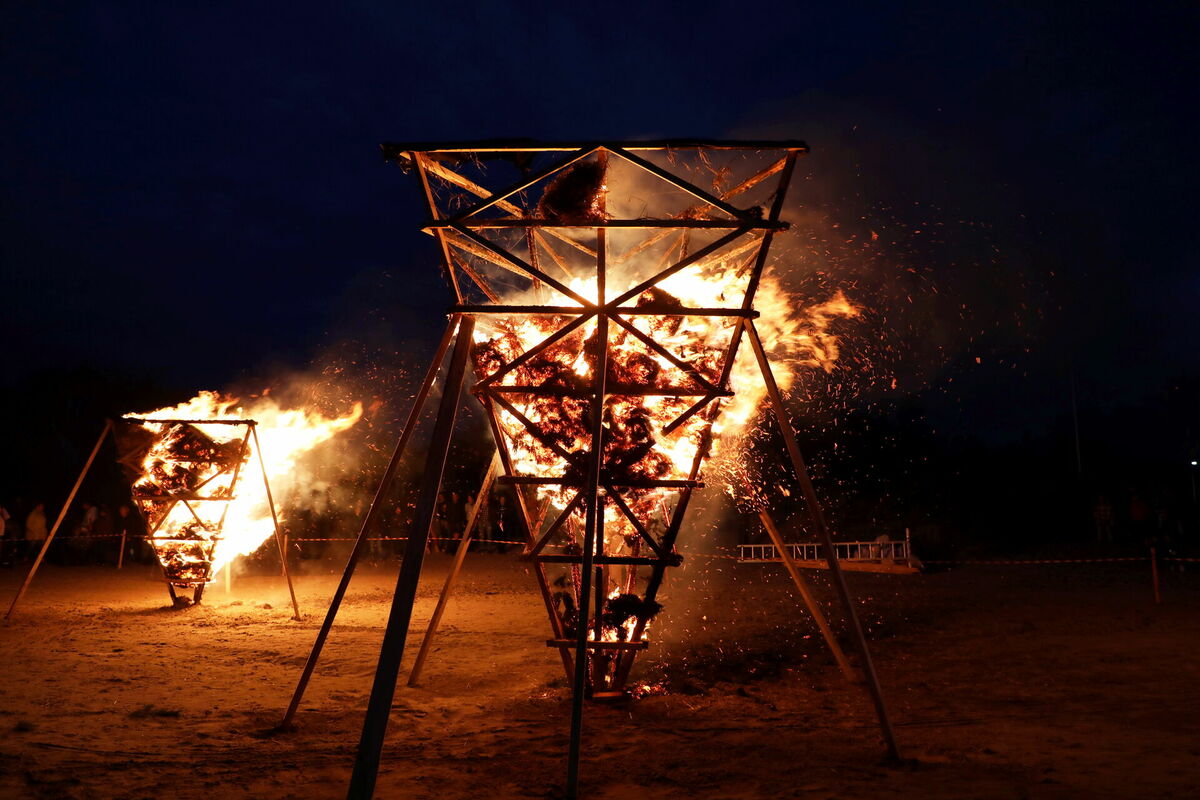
column 200, row 486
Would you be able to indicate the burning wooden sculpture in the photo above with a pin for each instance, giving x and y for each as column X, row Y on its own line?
column 184, row 476
column 601, row 292
column 185, row 464
column 610, row 296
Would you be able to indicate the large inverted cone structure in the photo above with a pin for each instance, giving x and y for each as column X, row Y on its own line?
column 611, row 282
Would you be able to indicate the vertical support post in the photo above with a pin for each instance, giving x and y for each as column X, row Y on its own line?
column 789, row 563
column 369, row 522
column 37, row 562
column 262, row 465
column 460, row 556
column 383, row 690
column 283, row 567
column 121, row 554
column 1154, row 575
column 818, row 517
column 593, row 520
column 374, row 511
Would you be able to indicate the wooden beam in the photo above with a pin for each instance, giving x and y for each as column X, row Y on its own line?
column 37, row 562
column 810, row 497
column 460, row 556
column 807, row 596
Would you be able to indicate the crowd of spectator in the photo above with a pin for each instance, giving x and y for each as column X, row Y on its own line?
column 92, row 533
column 319, row 527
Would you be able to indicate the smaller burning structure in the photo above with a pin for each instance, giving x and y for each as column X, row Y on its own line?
column 185, row 466
column 184, row 475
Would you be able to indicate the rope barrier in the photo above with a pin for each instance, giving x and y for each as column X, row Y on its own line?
column 132, row 536
column 932, row 562
column 1045, row 560
column 405, row 539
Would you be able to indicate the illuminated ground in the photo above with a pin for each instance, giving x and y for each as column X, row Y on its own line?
column 1040, row 682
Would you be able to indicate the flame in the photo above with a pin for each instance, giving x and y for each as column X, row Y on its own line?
column 641, row 442
column 240, row 521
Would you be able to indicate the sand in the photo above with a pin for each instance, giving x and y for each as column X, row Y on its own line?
column 1017, row 682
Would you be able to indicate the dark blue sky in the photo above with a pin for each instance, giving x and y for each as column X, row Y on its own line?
column 214, row 166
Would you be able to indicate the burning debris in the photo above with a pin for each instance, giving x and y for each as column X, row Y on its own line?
column 575, row 196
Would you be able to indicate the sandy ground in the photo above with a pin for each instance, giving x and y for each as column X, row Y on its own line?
column 1029, row 682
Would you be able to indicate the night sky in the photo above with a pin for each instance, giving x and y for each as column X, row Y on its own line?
column 212, row 170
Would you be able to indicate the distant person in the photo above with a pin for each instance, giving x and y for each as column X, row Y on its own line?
column 76, row 550
column 882, row 547
column 1162, row 515
column 102, row 533
column 7, row 547
column 456, row 520
column 338, row 526
column 1139, row 518
column 399, row 525
column 510, row 526
column 1102, row 514
column 320, row 530
column 499, row 525
column 35, row 530
column 483, row 523
column 127, row 526
column 301, row 528
column 441, row 524
column 375, row 548
column 88, row 521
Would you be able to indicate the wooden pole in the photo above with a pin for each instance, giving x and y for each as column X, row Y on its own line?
column 383, row 690
column 460, row 556
column 37, row 562
column 121, row 554
column 1154, row 575
column 262, row 465
column 368, row 524
column 593, row 520
column 789, row 563
column 818, row 517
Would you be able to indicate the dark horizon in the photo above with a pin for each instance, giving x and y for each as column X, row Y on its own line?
column 196, row 200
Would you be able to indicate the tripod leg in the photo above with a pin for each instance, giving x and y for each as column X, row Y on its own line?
column 593, row 534
column 37, row 562
column 811, row 602
column 810, row 497
column 383, row 690
column 369, row 521
column 262, row 465
column 460, row 555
